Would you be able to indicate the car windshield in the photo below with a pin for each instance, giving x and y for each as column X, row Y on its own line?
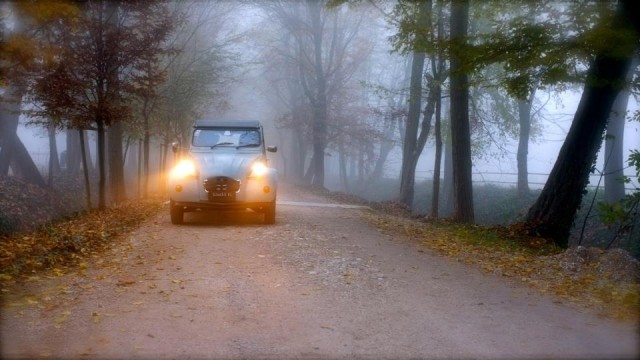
column 226, row 138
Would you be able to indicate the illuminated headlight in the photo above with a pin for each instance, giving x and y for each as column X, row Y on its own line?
column 185, row 168
column 258, row 169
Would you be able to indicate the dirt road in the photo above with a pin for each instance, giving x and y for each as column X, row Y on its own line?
column 321, row 283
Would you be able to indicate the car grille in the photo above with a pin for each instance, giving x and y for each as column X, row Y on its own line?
column 221, row 184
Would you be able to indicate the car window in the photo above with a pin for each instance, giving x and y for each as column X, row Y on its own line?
column 226, row 137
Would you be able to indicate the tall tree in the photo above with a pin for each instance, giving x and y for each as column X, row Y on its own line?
column 524, row 134
column 22, row 51
column 438, row 76
column 416, row 34
column 460, row 130
column 100, row 68
column 553, row 213
column 324, row 43
column 409, row 149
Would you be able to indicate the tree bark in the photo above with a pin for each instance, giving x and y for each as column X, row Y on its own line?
column 14, row 155
column 102, row 204
column 524, row 119
column 410, row 148
column 409, row 161
column 438, row 65
column 437, row 133
column 85, row 169
column 613, row 148
column 116, row 164
column 72, row 154
column 553, row 213
column 320, row 102
column 460, row 130
column 54, row 161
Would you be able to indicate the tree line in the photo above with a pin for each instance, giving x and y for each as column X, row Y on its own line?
column 470, row 70
column 124, row 71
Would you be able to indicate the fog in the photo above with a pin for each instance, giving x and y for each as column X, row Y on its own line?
column 258, row 68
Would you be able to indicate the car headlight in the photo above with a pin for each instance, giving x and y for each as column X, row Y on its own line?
column 258, row 169
column 185, row 168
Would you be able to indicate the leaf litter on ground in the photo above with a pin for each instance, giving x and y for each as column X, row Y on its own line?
column 606, row 282
column 65, row 245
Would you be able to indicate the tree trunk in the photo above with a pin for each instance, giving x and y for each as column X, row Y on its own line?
column 524, row 117
column 342, row 165
column 438, row 70
column 409, row 161
column 447, row 190
column 54, row 161
column 9, row 120
column 14, row 155
column 102, row 204
column 85, row 169
column 116, row 164
column 320, row 103
column 309, row 173
column 411, row 149
column 437, row 133
column 460, row 131
column 613, row 148
column 73, row 157
column 553, row 213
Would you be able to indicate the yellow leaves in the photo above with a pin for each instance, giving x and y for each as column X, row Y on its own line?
column 68, row 243
column 125, row 282
column 96, row 318
column 45, row 11
column 62, row 317
column 348, row 277
column 31, row 300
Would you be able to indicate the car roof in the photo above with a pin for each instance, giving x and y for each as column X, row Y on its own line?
column 227, row 123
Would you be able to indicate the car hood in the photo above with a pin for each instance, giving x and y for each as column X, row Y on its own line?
column 234, row 164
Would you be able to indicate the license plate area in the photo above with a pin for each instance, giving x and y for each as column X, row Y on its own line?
column 221, row 196
column 221, row 189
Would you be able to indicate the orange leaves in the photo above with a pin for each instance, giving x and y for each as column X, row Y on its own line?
column 45, row 11
column 68, row 242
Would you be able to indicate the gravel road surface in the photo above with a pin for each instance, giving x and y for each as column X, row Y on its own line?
column 320, row 283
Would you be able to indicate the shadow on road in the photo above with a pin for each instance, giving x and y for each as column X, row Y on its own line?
column 223, row 218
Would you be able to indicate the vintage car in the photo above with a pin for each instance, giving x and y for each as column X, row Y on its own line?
column 224, row 168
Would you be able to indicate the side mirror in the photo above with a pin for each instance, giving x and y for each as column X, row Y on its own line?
column 175, row 146
column 272, row 149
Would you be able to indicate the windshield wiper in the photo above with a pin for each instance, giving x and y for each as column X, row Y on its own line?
column 246, row 145
column 222, row 143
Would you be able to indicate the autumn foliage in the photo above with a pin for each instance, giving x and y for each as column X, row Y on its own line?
column 65, row 243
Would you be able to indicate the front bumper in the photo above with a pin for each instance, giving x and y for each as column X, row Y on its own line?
column 252, row 193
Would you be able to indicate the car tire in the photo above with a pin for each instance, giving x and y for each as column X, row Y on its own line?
column 177, row 213
column 270, row 213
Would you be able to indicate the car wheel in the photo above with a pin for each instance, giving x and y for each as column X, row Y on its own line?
column 270, row 213
column 177, row 213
